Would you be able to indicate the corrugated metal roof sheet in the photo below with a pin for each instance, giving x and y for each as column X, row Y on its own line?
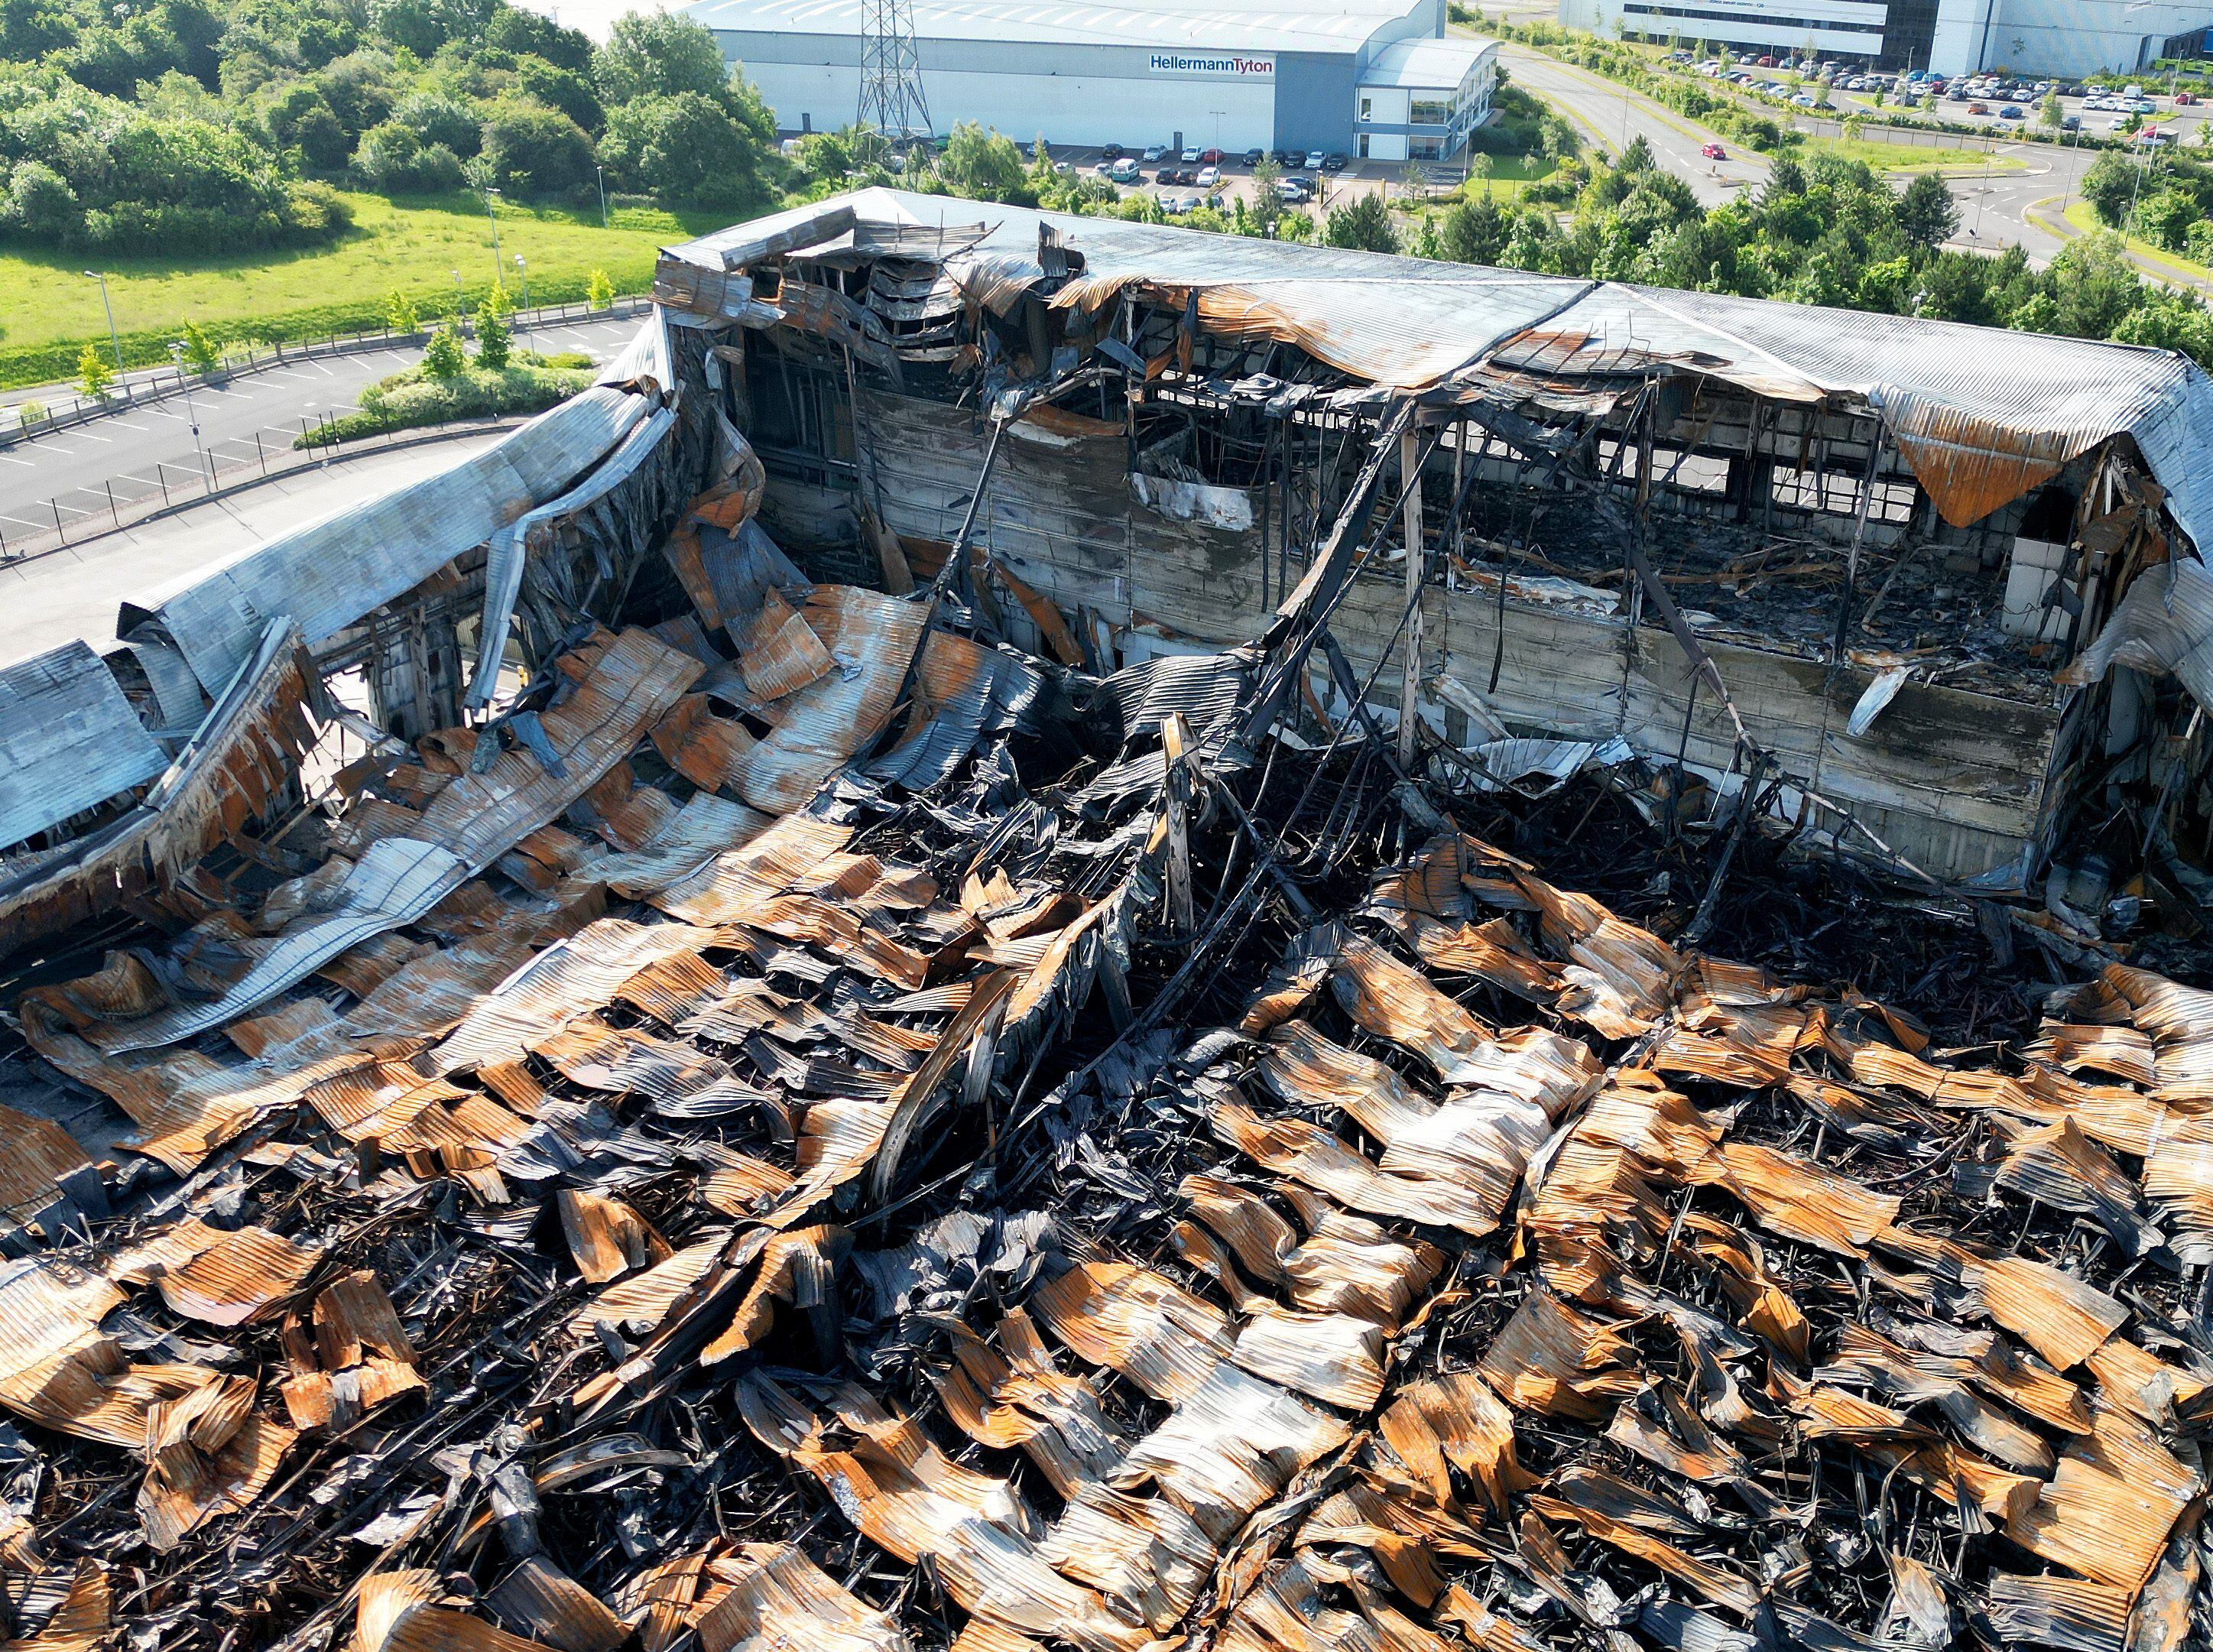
column 67, row 740
column 1342, row 26
column 1981, row 413
column 329, row 573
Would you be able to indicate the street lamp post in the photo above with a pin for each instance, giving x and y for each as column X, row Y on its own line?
column 523, row 274
column 491, row 195
column 113, row 341
column 191, row 410
column 602, row 172
column 460, row 306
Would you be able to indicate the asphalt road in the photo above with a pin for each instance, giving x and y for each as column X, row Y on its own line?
column 132, row 453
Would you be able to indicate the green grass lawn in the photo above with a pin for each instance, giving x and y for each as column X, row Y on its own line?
column 1509, row 176
column 415, row 246
column 1912, row 157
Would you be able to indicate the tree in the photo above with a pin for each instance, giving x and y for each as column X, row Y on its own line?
column 2197, row 242
column 400, row 314
column 1638, row 156
column 202, row 354
column 94, row 373
column 498, row 300
column 983, row 165
column 1927, row 215
column 40, row 201
column 493, row 339
column 394, row 158
column 1267, row 197
column 659, row 54
column 688, row 149
column 2169, row 320
column 444, row 358
column 2109, row 187
column 2165, row 217
column 1474, row 232
column 2048, row 112
column 531, row 146
column 599, row 292
column 438, row 120
column 1363, row 224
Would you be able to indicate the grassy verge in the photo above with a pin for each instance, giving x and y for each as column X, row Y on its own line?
column 2083, row 218
column 1912, row 157
column 412, row 399
column 49, row 311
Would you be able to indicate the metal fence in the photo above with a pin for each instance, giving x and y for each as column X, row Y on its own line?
column 34, row 415
column 75, row 514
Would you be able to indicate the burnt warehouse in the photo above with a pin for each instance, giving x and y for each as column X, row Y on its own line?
column 1870, row 560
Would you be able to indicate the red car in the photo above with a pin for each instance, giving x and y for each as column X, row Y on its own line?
column 1713, row 152
column 1210, row 157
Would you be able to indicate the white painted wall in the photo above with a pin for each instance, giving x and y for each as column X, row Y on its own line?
column 1065, row 108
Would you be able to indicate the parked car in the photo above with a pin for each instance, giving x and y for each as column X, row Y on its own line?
column 1211, row 157
column 1804, row 100
column 1314, row 159
column 2118, row 123
column 1978, row 107
column 1154, row 151
column 1767, row 63
column 1209, row 177
column 2184, row 99
column 1168, row 175
column 1124, row 171
column 1252, row 157
column 2013, row 111
column 1713, row 152
column 1296, row 192
column 1111, row 152
column 1190, row 154
column 2070, row 122
column 1289, row 158
column 1335, row 162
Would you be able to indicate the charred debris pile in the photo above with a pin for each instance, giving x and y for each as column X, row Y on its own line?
column 636, row 1081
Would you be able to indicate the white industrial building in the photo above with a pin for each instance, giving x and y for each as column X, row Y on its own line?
column 1377, row 78
column 1951, row 37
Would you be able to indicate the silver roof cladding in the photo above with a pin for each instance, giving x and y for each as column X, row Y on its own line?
column 1407, row 323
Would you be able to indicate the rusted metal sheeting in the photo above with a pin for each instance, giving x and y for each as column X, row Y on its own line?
column 512, row 543
column 67, row 740
column 330, row 573
column 2164, row 623
column 1982, row 413
column 631, row 680
column 245, row 752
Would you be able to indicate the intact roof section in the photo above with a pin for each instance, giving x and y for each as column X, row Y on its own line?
column 1426, row 63
column 1345, row 26
column 1982, row 414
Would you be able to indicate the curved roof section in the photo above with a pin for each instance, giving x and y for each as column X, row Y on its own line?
column 1340, row 27
column 1982, row 414
column 1427, row 64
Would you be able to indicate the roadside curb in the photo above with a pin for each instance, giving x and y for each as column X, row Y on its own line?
column 447, row 433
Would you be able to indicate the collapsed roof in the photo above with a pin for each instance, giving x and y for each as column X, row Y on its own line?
column 640, row 1092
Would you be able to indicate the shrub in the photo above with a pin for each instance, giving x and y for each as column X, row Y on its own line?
column 31, row 412
column 443, row 357
column 393, row 157
column 400, row 314
column 600, row 291
column 531, row 145
column 417, row 397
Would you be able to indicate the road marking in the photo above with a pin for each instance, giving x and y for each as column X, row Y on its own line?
column 12, row 459
column 94, row 436
column 135, row 430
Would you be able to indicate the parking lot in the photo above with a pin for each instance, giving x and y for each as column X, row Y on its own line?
column 1235, row 182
